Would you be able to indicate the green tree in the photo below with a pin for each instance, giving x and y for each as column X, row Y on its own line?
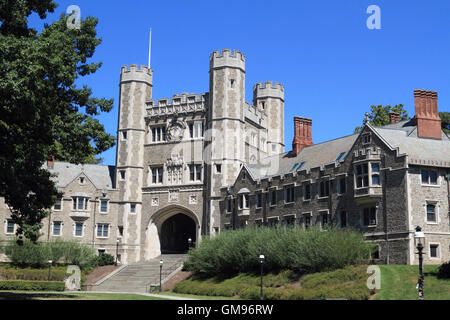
column 42, row 111
column 379, row 115
column 445, row 117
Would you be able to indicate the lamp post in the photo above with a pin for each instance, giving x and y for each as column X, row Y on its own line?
column 419, row 241
column 49, row 266
column 261, row 261
column 189, row 243
column 117, row 250
column 160, row 275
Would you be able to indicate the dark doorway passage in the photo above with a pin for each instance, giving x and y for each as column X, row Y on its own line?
column 175, row 233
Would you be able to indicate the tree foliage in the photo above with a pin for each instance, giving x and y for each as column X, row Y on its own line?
column 379, row 115
column 445, row 117
column 42, row 111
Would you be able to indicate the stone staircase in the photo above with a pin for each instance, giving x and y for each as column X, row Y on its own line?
column 138, row 277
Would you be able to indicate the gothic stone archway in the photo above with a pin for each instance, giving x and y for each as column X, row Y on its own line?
column 168, row 231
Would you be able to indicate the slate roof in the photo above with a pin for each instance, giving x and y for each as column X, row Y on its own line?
column 101, row 176
column 312, row 156
column 401, row 135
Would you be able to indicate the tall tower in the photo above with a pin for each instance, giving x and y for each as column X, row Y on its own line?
column 270, row 97
column 135, row 89
column 225, row 143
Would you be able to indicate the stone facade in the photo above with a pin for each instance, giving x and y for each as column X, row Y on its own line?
column 195, row 164
column 173, row 156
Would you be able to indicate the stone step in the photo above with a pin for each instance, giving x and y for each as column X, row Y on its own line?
column 138, row 276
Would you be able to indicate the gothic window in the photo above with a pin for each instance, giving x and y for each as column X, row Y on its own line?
column 58, row 205
column 229, row 206
column 431, row 212
column 196, row 129
column 159, row 134
column 57, row 228
column 289, row 194
column 195, row 172
column 429, row 177
column 273, row 197
column 78, row 229
column 307, row 191
column 103, row 206
column 375, row 174
column 362, row 175
column 102, row 230
column 369, row 216
column 342, row 186
column 80, row 203
column 366, row 138
column 324, row 188
column 243, row 201
column 157, row 175
column 259, row 200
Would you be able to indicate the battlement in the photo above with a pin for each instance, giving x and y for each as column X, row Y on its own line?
column 180, row 103
column 227, row 59
column 134, row 73
column 268, row 89
column 255, row 114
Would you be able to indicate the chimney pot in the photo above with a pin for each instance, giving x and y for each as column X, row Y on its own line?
column 394, row 117
column 302, row 134
column 427, row 117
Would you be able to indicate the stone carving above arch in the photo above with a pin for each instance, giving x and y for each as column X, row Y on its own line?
column 175, row 130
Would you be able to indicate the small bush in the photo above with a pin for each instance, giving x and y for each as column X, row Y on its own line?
column 32, row 285
column 444, row 271
column 105, row 259
column 34, row 255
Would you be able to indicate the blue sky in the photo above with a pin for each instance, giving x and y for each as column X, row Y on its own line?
column 332, row 66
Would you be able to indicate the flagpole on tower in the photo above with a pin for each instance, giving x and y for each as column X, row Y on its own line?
column 150, row 48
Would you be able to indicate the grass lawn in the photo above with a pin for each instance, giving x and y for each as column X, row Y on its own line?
column 17, row 295
column 348, row 283
column 398, row 282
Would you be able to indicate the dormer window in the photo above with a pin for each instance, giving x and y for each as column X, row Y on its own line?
column 81, row 180
column 366, row 138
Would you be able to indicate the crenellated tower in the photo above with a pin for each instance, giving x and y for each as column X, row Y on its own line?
column 135, row 89
column 225, row 144
column 270, row 98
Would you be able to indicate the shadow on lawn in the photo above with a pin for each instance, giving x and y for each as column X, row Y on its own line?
column 34, row 296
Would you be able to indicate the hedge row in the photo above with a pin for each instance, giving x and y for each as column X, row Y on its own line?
column 285, row 248
column 32, row 285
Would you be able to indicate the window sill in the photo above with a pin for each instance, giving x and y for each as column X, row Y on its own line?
column 103, row 238
column 322, row 198
column 244, row 212
column 432, row 222
column 431, row 185
column 289, row 203
column 370, row 226
column 306, row 200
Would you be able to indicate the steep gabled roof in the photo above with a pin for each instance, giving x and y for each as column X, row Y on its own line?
column 100, row 175
column 310, row 157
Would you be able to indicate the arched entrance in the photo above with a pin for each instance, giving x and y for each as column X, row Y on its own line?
column 175, row 232
column 169, row 229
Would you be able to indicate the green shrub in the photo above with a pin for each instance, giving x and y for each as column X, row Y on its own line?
column 32, row 285
column 285, row 248
column 36, row 255
column 14, row 273
column 444, row 271
column 105, row 259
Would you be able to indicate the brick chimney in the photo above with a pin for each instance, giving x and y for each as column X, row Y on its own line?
column 302, row 134
column 394, row 117
column 427, row 118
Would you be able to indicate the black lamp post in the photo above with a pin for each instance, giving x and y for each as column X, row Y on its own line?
column 117, row 251
column 49, row 266
column 261, row 261
column 419, row 241
column 160, row 275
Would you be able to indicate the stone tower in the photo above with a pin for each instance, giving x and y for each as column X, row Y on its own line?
column 224, row 141
column 135, row 89
column 269, row 97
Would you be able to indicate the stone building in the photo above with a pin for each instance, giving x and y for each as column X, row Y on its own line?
column 173, row 156
column 384, row 181
column 189, row 166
